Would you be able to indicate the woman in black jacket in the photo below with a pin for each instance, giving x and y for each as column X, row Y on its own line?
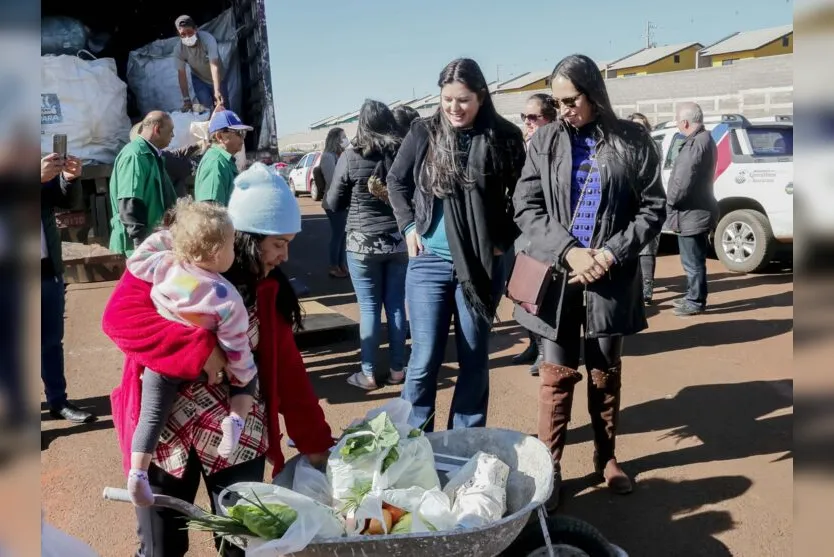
column 376, row 252
column 451, row 188
column 589, row 198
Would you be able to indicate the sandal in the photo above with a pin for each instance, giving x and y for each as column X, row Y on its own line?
column 396, row 377
column 361, row 380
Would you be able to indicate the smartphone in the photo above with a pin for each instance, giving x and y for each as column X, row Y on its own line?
column 59, row 145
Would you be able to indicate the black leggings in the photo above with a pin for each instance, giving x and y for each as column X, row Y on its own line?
column 600, row 353
column 161, row 531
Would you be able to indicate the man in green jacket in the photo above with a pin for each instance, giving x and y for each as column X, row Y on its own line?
column 216, row 173
column 140, row 189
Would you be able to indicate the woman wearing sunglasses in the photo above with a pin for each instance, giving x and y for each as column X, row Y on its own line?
column 540, row 110
column 589, row 198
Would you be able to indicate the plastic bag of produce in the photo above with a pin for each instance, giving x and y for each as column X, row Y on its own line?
column 381, row 452
column 309, row 481
column 281, row 520
column 416, row 510
column 478, row 491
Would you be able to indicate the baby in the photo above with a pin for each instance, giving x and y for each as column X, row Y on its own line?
column 184, row 264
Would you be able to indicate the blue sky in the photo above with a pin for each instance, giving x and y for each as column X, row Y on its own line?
column 328, row 56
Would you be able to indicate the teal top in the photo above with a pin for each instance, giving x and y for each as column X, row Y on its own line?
column 435, row 239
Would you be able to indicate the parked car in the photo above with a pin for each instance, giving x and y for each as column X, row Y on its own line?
column 301, row 176
column 286, row 162
column 753, row 186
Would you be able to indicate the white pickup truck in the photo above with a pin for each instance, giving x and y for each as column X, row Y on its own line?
column 753, row 185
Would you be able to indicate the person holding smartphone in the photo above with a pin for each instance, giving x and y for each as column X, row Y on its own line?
column 59, row 173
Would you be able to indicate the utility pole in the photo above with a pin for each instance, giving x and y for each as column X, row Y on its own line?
column 498, row 72
column 649, row 37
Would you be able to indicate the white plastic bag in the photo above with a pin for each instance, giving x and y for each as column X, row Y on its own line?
column 413, row 466
column 86, row 100
column 311, row 482
column 183, row 134
column 479, row 491
column 430, row 509
column 314, row 519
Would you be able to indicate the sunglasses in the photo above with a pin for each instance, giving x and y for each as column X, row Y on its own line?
column 533, row 117
column 569, row 102
column 239, row 133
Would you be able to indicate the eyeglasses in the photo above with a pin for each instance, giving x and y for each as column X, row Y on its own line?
column 569, row 102
column 240, row 133
column 533, row 117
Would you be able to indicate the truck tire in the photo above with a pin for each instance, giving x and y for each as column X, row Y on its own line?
column 744, row 241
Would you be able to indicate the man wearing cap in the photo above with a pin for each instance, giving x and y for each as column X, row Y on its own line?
column 216, row 173
column 140, row 188
column 198, row 49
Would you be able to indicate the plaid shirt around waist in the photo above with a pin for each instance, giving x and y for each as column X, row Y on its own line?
column 195, row 420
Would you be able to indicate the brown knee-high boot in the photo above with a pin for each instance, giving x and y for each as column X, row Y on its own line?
column 604, row 407
column 555, row 402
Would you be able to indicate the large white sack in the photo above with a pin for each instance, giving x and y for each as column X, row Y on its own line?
column 86, row 100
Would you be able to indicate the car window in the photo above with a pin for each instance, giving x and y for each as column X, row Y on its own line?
column 674, row 149
column 776, row 141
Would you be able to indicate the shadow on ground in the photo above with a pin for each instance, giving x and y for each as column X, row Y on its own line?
column 663, row 517
column 729, row 421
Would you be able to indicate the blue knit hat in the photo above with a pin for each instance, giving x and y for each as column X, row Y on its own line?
column 262, row 203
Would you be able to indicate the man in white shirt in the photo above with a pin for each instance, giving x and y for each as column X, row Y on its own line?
column 198, row 49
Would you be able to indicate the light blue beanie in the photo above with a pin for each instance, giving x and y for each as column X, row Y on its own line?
column 262, row 203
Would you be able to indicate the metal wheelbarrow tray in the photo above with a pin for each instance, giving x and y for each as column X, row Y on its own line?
column 529, row 485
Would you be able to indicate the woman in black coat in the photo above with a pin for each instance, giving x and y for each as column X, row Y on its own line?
column 589, row 198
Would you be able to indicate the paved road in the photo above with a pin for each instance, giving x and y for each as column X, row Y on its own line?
column 706, row 420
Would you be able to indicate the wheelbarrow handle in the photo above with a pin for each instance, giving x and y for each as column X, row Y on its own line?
column 116, row 494
column 189, row 510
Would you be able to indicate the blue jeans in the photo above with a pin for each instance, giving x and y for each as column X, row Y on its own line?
column 379, row 280
column 693, row 250
column 433, row 296
column 205, row 91
column 338, row 222
column 52, row 341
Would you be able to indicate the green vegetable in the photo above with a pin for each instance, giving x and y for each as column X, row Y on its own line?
column 269, row 521
column 403, row 525
column 415, row 433
column 380, row 434
column 357, row 495
column 390, row 459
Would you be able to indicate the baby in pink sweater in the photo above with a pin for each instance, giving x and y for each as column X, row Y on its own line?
column 184, row 264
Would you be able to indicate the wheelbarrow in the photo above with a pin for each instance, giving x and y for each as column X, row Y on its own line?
column 529, row 485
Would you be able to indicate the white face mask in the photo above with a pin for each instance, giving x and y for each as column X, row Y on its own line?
column 190, row 41
column 345, row 143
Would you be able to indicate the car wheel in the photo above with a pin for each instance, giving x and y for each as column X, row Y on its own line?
column 744, row 242
column 314, row 192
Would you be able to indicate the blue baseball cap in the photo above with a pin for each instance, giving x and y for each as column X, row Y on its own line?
column 226, row 119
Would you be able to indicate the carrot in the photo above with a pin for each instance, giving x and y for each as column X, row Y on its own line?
column 375, row 527
column 396, row 512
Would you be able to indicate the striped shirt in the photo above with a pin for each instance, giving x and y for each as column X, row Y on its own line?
column 585, row 173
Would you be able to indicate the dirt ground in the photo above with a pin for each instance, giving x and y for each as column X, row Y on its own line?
column 706, row 423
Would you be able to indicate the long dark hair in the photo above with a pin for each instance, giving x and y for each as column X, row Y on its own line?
column 639, row 116
column 441, row 172
column 377, row 131
column 404, row 115
column 549, row 108
column 585, row 75
column 333, row 143
column 245, row 274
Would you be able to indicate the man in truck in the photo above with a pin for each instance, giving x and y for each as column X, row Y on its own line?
column 140, row 188
column 198, row 49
